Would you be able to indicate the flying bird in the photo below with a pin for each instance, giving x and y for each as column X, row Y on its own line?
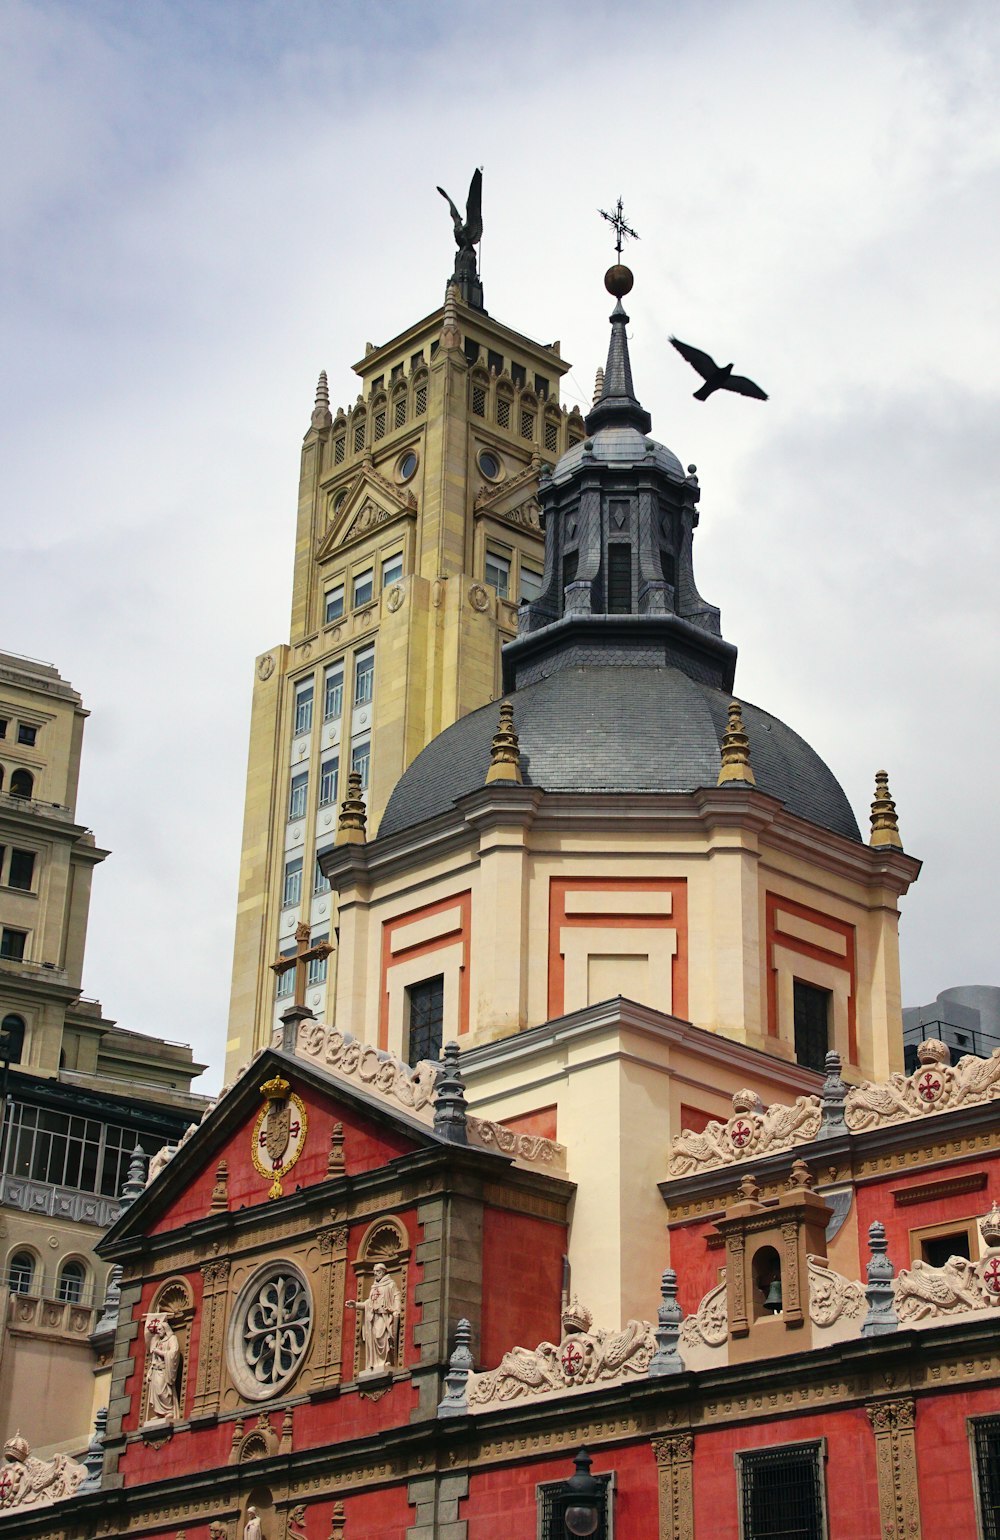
column 468, row 232
column 716, row 376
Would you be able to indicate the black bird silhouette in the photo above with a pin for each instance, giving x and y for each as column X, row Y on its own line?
column 468, row 232
column 716, row 376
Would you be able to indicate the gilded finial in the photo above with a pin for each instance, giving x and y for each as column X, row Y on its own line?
column 598, row 385
column 321, row 417
column 735, row 750
column 505, row 750
column 885, row 826
column 353, row 814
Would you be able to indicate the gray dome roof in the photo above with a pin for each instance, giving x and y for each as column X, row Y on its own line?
column 605, row 728
column 618, row 446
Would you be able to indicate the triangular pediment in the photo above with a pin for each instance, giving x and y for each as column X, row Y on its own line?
column 272, row 1155
column 514, row 501
column 372, row 500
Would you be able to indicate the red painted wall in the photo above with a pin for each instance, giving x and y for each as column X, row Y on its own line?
column 874, row 1200
column 502, row 1502
column 522, row 1282
column 851, row 1485
column 367, row 1145
column 696, row 1267
column 944, row 1462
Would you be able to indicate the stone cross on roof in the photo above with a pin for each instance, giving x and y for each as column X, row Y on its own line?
column 300, row 959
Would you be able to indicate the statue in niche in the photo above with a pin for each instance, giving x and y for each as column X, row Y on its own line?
column 252, row 1529
column 163, row 1370
column 381, row 1322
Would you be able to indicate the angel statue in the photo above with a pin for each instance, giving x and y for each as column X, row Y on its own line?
column 163, row 1369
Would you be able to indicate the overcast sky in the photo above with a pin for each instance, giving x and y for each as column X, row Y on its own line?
column 203, row 204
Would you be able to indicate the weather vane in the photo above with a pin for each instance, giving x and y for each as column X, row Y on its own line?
column 622, row 230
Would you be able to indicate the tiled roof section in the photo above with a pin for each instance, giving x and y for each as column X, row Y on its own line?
column 613, row 729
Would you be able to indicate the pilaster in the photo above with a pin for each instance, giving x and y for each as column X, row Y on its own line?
column 894, row 1426
column 674, row 1454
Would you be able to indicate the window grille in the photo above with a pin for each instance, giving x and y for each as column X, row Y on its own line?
column 986, row 1451
column 42, row 1144
column 317, row 965
column 503, row 411
column 303, row 708
column 359, row 436
column 297, row 796
column 781, row 1493
column 293, row 882
column 361, row 754
column 379, row 426
column 811, row 1009
column 364, row 677
column 333, row 693
column 399, row 413
column 328, row 782
column 426, row 1011
column 339, row 446
column 619, row 578
column 551, row 436
column 479, row 400
column 420, row 406
column 554, row 1499
column 527, row 424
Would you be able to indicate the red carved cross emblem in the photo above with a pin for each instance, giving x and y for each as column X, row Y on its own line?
column 571, row 1359
column 929, row 1086
column 991, row 1275
column 741, row 1133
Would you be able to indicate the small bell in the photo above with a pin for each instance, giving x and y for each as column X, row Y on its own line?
column 772, row 1299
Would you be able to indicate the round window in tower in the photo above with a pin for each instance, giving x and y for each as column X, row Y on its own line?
column 406, row 465
column 270, row 1330
column 490, row 465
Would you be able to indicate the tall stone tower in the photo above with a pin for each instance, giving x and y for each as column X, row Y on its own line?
column 418, row 536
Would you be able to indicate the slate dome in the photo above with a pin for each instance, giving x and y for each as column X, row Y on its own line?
column 612, row 729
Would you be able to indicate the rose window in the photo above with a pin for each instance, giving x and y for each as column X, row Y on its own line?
column 270, row 1331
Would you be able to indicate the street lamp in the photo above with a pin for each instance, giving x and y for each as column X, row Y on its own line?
column 581, row 1515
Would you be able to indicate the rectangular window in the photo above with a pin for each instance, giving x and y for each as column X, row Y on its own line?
column 364, row 587
column 935, row 1250
column 359, row 436
column 339, row 446
column 364, row 676
column 303, row 707
column 425, row 1012
column 420, row 404
column 361, row 754
column 317, row 965
column 392, row 570
column 297, row 795
column 541, row 385
column 333, row 692
column 986, row 1459
column 321, row 883
column 285, row 986
column 22, row 869
column 498, row 573
column 494, row 361
column 554, row 1498
column 527, row 424
column 399, row 412
column 811, row 1008
column 26, row 734
column 531, row 582
column 619, row 579
column 328, row 780
column 416, row 359
column 551, row 436
column 379, row 425
column 65, row 1150
column 12, row 944
column 292, row 892
column 503, row 411
column 3, row 727
column 333, row 608
column 781, row 1493
column 517, row 374
column 395, row 372
column 479, row 400
column 471, row 349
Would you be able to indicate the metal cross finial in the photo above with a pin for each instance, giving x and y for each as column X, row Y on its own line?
column 622, row 230
column 303, row 955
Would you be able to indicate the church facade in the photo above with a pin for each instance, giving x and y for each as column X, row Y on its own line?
column 597, row 1199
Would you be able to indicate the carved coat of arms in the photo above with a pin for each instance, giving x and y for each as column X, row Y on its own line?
column 279, row 1133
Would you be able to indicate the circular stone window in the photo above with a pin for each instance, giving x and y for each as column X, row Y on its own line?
column 270, row 1330
column 490, row 465
column 406, row 466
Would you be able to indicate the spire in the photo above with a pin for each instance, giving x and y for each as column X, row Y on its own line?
column 618, row 406
column 505, row 751
column 353, row 814
column 735, row 750
column 598, row 385
column 321, row 417
column 885, row 827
